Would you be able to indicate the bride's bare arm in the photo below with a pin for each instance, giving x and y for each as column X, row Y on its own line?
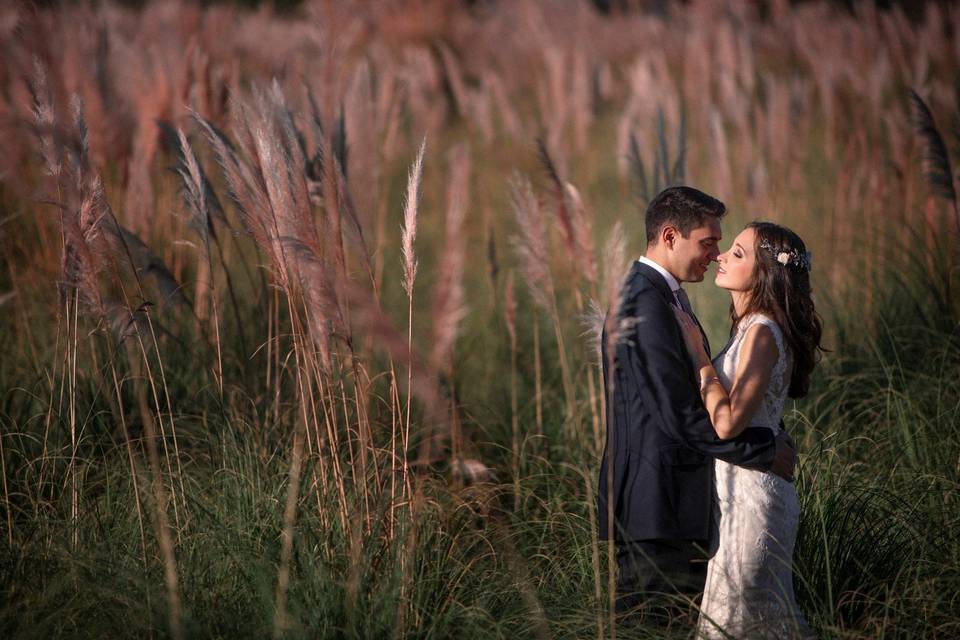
column 731, row 413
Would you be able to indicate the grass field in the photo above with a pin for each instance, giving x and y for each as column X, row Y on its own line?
column 296, row 310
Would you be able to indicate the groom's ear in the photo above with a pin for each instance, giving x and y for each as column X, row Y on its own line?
column 668, row 234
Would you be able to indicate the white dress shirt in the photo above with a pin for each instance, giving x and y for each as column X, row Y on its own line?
column 671, row 281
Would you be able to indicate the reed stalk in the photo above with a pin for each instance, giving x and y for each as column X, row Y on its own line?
column 449, row 301
column 72, row 346
column 408, row 237
column 510, row 314
column 134, row 473
column 531, row 247
column 614, row 273
column 151, row 378
column 164, row 539
column 6, row 492
column 537, row 377
column 280, row 623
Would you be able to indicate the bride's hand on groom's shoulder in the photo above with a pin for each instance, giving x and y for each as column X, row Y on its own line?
column 692, row 337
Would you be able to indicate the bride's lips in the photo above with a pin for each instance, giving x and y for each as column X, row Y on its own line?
column 720, row 270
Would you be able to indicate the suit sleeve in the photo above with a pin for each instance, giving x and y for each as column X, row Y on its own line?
column 658, row 362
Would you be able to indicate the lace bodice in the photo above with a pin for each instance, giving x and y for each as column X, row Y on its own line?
column 771, row 409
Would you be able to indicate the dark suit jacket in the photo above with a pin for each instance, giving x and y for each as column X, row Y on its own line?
column 660, row 443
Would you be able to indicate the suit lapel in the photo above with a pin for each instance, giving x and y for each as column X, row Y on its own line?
column 656, row 280
column 660, row 284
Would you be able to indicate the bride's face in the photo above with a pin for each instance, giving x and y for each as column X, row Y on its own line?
column 735, row 272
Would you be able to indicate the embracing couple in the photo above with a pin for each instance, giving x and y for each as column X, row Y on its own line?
column 697, row 465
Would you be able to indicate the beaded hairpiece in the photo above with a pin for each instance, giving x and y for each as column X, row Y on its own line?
column 803, row 261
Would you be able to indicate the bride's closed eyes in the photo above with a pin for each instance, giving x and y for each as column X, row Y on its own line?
column 735, row 272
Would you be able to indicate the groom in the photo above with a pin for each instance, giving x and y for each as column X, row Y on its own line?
column 657, row 471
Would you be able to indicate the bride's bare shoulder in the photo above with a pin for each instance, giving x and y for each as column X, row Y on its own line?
column 761, row 342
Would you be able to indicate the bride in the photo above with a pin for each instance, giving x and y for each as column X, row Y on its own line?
column 774, row 345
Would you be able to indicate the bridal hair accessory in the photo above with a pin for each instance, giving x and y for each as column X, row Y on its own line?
column 793, row 257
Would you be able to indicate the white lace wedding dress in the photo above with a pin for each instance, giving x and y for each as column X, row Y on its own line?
column 749, row 588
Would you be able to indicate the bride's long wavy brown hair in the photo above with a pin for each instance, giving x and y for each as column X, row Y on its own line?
column 782, row 292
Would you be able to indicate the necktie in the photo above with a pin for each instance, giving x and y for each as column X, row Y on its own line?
column 684, row 301
column 685, row 305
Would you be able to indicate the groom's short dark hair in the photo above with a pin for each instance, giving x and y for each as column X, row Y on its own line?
column 685, row 208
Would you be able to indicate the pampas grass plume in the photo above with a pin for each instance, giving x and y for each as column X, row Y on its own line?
column 411, row 205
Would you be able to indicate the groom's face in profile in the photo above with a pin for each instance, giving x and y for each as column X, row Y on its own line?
column 693, row 254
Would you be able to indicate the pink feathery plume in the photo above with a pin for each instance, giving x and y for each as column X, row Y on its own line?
column 85, row 254
column 510, row 308
column 563, row 210
column 410, row 209
column 614, row 272
column 531, row 244
column 582, row 225
column 448, row 305
column 44, row 118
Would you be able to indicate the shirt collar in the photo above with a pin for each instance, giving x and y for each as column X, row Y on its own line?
column 671, row 281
